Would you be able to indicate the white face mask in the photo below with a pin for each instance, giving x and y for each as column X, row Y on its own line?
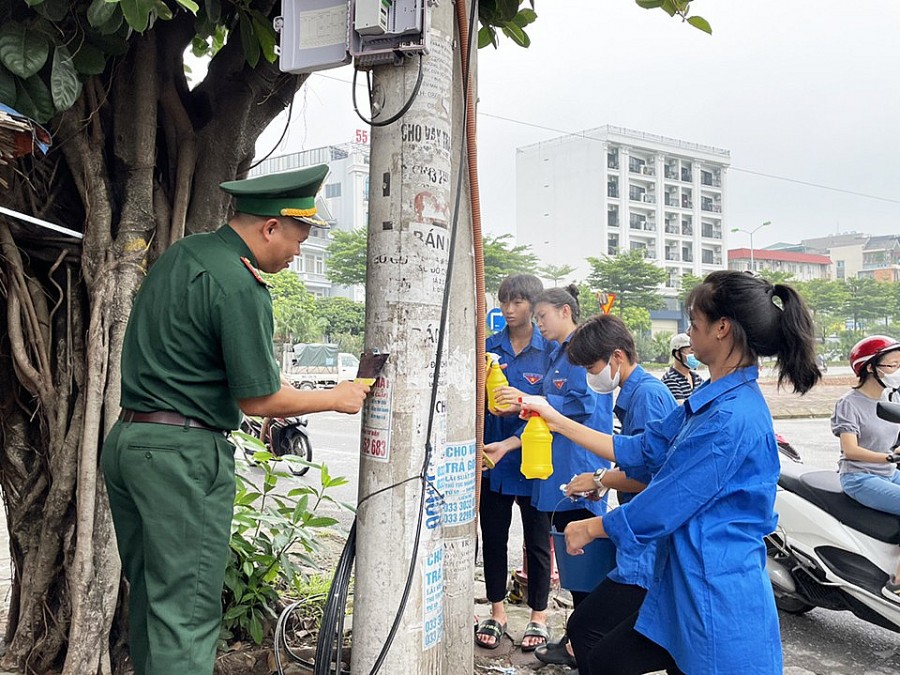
column 603, row 382
column 890, row 380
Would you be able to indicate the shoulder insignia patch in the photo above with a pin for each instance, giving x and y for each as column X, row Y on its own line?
column 254, row 271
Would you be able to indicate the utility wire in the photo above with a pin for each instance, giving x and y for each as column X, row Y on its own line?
column 582, row 134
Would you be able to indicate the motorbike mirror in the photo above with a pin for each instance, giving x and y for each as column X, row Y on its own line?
column 888, row 410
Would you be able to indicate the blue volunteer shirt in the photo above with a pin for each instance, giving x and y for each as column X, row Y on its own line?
column 525, row 371
column 642, row 398
column 708, row 507
column 565, row 388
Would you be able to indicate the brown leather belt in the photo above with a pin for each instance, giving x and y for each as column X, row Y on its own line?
column 165, row 417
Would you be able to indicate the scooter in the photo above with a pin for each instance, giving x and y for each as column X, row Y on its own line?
column 829, row 550
column 281, row 436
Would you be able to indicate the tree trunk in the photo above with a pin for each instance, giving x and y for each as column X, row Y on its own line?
column 125, row 169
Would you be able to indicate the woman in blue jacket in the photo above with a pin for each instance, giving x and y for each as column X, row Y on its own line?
column 565, row 388
column 714, row 468
column 525, row 355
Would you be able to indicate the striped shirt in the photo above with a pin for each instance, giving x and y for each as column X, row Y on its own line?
column 678, row 384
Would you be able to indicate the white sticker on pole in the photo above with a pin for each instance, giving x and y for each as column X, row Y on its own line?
column 376, row 444
column 453, row 475
column 433, row 597
column 378, row 404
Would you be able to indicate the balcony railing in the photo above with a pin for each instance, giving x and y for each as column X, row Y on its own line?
column 648, row 198
column 713, row 208
column 672, row 229
column 712, row 182
column 671, row 201
column 612, row 191
column 671, row 174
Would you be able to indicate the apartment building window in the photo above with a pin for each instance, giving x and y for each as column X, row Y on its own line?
column 839, row 271
column 320, row 265
column 707, row 257
column 612, row 216
column 612, row 244
column 637, row 221
column 612, row 159
column 332, row 190
column 635, row 193
column 309, row 264
column 612, row 187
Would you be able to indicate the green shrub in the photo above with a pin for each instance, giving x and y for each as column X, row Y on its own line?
column 273, row 536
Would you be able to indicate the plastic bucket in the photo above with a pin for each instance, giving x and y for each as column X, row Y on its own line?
column 584, row 572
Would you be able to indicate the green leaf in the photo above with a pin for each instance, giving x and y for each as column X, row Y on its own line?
column 137, row 13
column 33, row 99
column 668, row 7
column 249, row 41
column 256, row 630
column 53, row 10
column 23, row 51
column 162, row 10
column 89, row 60
column 525, row 17
column 486, row 37
column 213, row 10
column 32, row 3
column 507, row 9
column 701, row 23
column 649, row 4
column 7, row 87
column 64, row 82
column 265, row 34
column 190, row 6
column 100, row 12
column 512, row 31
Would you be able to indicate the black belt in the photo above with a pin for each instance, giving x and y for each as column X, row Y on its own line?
column 166, row 417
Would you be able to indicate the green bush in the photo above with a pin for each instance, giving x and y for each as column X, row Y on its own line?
column 273, row 535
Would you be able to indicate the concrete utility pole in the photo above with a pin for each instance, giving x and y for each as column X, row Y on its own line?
column 411, row 202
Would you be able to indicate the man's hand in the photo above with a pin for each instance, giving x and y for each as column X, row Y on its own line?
column 349, row 396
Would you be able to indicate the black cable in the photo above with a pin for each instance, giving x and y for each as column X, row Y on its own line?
column 283, row 134
column 400, row 113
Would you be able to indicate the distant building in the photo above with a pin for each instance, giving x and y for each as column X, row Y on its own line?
column 611, row 189
column 345, row 195
column 803, row 266
column 881, row 258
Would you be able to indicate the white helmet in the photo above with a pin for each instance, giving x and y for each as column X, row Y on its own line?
column 679, row 341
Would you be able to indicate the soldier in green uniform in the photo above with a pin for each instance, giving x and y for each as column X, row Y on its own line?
column 198, row 352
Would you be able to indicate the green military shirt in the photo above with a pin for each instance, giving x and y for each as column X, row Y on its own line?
column 200, row 333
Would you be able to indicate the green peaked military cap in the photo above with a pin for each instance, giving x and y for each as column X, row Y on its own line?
column 291, row 193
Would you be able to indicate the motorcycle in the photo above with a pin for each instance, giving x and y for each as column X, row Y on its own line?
column 829, row 550
column 281, row 436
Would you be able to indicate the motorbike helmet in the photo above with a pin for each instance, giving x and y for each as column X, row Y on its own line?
column 679, row 341
column 869, row 348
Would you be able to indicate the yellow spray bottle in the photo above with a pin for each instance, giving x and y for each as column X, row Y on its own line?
column 537, row 448
column 495, row 378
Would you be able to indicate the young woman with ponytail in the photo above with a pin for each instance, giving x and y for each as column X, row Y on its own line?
column 712, row 467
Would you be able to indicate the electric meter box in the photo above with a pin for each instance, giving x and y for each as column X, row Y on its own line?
column 315, row 35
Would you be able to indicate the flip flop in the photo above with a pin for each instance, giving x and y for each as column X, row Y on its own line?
column 535, row 630
column 490, row 628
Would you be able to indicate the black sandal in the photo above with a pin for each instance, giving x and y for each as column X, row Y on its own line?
column 535, row 630
column 490, row 628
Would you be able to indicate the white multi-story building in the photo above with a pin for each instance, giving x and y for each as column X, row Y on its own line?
column 611, row 189
column 343, row 202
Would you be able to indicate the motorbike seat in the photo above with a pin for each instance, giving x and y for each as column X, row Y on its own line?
column 823, row 488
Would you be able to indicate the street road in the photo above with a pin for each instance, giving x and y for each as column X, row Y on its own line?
column 818, row 642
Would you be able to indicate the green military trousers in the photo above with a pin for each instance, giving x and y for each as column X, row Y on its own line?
column 171, row 490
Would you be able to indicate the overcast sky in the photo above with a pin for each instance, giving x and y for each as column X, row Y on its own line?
column 795, row 89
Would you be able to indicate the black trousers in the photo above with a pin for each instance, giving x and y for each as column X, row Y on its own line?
column 560, row 520
column 604, row 639
column 495, row 514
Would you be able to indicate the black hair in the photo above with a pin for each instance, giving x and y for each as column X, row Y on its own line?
column 520, row 287
column 597, row 338
column 760, row 326
column 558, row 297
